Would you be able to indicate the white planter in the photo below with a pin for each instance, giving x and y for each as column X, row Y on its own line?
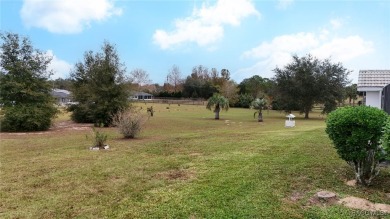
column 290, row 123
column 106, row 147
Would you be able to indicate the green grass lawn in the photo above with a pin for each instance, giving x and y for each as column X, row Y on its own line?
column 185, row 164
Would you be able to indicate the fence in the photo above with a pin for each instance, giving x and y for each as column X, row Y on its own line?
column 173, row 101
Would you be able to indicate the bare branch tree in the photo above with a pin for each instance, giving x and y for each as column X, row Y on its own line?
column 140, row 77
column 174, row 76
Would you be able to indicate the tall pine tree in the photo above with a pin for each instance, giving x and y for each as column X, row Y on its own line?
column 27, row 104
column 99, row 87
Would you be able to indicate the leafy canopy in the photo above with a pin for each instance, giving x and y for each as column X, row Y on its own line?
column 256, row 86
column 307, row 81
column 385, row 140
column 99, row 86
column 259, row 104
column 218, row 102
column 24, row 88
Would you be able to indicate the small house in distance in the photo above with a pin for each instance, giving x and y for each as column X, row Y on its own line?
column 142, row 96
column 62, row 96
column 375, row 87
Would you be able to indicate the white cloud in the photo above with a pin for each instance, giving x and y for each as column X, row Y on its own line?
column 206, row 25
column 284, row 4
column 66, row 16
column 278, row 52
column 59, row 67
column 343, row 49
column 336, row 23
column 284, row 44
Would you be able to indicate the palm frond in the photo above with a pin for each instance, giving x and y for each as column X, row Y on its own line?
column 218, row 99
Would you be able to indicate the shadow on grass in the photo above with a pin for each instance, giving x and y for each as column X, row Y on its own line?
column 382, row 182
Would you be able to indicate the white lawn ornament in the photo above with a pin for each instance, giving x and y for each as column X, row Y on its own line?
column 290, row 122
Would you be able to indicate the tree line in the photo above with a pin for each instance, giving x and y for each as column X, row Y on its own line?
column 102, row 87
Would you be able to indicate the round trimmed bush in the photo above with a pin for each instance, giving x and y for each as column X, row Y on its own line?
column 356, row 134
column 385, row 141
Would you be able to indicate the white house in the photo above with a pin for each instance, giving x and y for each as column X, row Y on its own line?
column 372, row 84
column 62, row 96
column 142, row 96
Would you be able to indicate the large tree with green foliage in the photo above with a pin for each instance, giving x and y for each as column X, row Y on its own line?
column 27, row 104
column 99, row 86
column 229, row 90
column 256, row 86
column 218, row 102
column 306, row 81
column 199, row 83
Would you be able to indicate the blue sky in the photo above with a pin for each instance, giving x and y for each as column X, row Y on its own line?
column 246, row 37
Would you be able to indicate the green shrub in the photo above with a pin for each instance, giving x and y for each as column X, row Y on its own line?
column 81, row 113
column 130, row 122
column 244, row 101
column 356, row 133
column 100, row 139
column 27, row 118
column 385, row 140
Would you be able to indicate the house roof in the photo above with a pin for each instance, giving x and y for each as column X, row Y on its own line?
column 60, row 93
column 373, row 78
column 141, row 94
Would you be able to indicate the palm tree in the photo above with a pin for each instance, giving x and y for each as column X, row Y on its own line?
column 351, row 93
column 259, row 104
column 218, row 102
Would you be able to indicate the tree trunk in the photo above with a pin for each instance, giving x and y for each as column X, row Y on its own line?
column 366, row 169
column 216, row 113
column 260, row 117
column 306, row 114
column 306, row 108
column 216, row 110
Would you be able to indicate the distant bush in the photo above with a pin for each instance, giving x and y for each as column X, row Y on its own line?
column 81, row 113
column 385, row 140
column 129, row 122
column 356, row 133
column 244, row 101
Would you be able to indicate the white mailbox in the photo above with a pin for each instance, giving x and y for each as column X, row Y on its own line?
column 290, row 122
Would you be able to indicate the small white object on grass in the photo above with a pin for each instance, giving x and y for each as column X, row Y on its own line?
column 290, row 122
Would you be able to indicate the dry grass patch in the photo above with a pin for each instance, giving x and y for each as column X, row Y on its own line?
column 365, row 205
column 177, row 174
